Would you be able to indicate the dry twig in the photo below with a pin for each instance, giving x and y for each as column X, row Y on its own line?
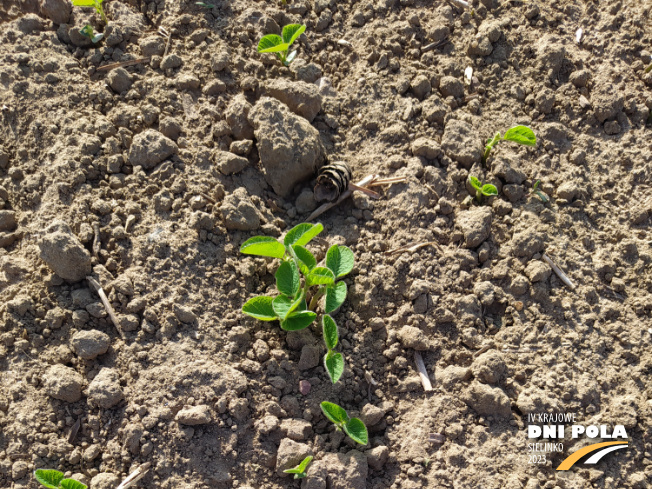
column 413, row 247
column 559, row 272
column 162, row 31
column 131, row 62
column 135, row 476
column 96, row 239
column 423, row 373
column 109, row 309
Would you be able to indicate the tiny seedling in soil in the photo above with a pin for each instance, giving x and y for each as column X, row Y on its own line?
column 300, row 470
column 96, row 4
column 535, row 190
column 205, row 5
column 334, row 362
column 89, row 33
column 519, row 134
column 273, row 43
column 481, row 191
column 353, row 427
column 53, row 479
column 291, row 307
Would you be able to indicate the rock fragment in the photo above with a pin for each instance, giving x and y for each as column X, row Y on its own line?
column 63, row 383
column 104, row 390
column 119, row 80
column 290, row 454
column 58, row 11
column 228, row 163
column 89, row 344
column 149, row 148
column 289, row 147
column 460, row 143
column 475, row 224
column 7, row 220
column 194, row 415
column 239, row 212
column 302, row 98
column 411, row 337
column 64, row 253
column 487, row 400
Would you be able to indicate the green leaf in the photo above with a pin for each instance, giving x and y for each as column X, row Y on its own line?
column 307, row 260
column 335, row 297
column 356, row 429
column 340, row 260
column 83, row 3
column 330, row 332
column 283, row 305
column 271, row 42
column 263, row 246
column 288, row 280
column 334, row 412
column 300, row 470
column 475, row 183
column 48, row 477
column 291, row 32
column 297, row 321
column 521, row 135
column 260, row 307
column 489, row 190
column 302, row 234
column 320, row 276
column 72, row 484
column 334, row 363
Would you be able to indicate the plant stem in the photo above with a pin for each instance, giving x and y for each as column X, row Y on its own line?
column 315, row 298
column 478, row 196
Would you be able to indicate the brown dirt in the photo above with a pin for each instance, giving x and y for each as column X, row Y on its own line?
column 170, row 234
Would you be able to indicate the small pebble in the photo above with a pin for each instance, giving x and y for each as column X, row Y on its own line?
column 304, row 387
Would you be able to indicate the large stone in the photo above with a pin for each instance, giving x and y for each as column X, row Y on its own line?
column 411, row 337
column 461, row 143
column 289, row 147
column 239, row 212
column 194, row 415
column 237, row 117
column 64, row 253
column 302, row 98
column 149, row 148
column 90, row 344
column 63, row 383
column 58, row 11
column 487, row 400
column 105, row 391
column 475, row 223
column 228, row 163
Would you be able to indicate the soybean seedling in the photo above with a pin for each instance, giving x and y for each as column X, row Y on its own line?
column 273, row 43
column 481, row 191
column 519, row 134
column 535, row 190
column 353, row 427
column 300, row 470
column 88, row 32
column 333, row 362
column 53, row 479
column 96, row 4
column 290, row 307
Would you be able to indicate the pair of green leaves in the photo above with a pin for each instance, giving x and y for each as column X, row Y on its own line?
column 273, row 43
column 333, row 361
column 488, row 190
column 353, row 427
column 53, row 479
column 518, row 134
column 300, row 470
column 88, row 32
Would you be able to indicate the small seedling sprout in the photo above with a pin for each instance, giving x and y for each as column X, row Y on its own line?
column 333, row 362
column 519, row 134
column 96, row 4
column 87, row 31
column 353, row 427
column 300, row 470
column 273, row 43
column 535, row 190
column 205, row 5
column 53, row 479
column 481, row 191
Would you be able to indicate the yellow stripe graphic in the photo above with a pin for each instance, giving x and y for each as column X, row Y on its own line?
column 574, row 457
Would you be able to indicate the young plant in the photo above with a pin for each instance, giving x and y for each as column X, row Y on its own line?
column 300, row 470
column 96, row 4
column 273, row 43
column 481, row 191
column 205, row 5
column 88, row 32
column 53, row 479
column 535, row 190
column 353, row 427
column 333, row 362
column 519, row 134
column 290, row 307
